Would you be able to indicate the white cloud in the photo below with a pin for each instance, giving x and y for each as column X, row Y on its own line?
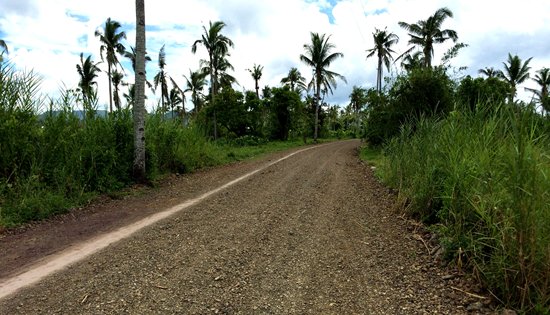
column 48, row 36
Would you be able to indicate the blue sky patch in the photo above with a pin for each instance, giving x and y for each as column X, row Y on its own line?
column 380, row 11
column 327, row 10
column 153, row 28
column 78, row 17
column 83, row 40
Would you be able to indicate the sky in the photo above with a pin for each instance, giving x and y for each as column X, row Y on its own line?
column 48, row 36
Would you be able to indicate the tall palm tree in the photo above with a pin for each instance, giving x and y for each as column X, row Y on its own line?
column 130, row 97
column 161, row 78
column 318, row 55
column 222, row 66
column 139, row 105
column 196, row 82
column 217, row 45
column 383, row 40
column 425, row 34
column 515, row 72
column 111, row 44
column 88, row 70
column 542, row 78
column 295, row 80
column 332, row 116
column 256, row 73
column 221, row 75
column 357, row 101
column 117, row 80
column 131, row 54
column 490, row 72
column 176, row 97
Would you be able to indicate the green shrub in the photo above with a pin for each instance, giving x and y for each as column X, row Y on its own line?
column 420, row 93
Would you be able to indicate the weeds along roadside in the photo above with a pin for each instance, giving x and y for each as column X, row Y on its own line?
column 482, row 179
column 61, row 158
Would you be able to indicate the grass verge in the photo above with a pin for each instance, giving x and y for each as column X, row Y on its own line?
column 482, row 178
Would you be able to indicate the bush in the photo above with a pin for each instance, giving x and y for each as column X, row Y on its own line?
column 489, row 93
column 423, row 92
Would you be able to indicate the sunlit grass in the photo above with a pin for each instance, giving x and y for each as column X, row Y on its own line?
column 483, row 179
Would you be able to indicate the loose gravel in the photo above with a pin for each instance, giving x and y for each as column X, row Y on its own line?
column 314, row 234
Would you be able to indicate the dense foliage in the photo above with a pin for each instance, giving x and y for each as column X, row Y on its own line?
column 422, row 92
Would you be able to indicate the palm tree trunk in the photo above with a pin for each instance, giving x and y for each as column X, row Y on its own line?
column 139, row 105
column 379, row 75
column 427, row 57
column 110, row 91
column 317, row 99
column 212, row 94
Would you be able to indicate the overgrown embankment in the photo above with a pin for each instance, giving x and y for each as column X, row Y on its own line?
column 482, row 180
column 59, row 159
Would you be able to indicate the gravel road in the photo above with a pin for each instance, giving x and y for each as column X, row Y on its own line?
column 313, row 234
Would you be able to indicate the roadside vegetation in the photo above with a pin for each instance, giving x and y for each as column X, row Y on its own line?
column 464, row 155
column 469, row 160
column 54, row 157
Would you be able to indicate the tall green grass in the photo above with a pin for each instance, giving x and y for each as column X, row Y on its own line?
column 483, row 179
column 57, row 160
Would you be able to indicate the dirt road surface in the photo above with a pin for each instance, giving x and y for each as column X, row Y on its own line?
column 313, row 234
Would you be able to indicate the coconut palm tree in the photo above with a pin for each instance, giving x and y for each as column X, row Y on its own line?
column 256, row 73
column 222, row 66
column 131, row 54
column 161, row 78
column 383, row 40
column 515, row 72
column 217, row 46
column 542, row 78
column 117, row 80
column 424, row 34
column 221, row 75
column 130, row 97
column 318, row 55
column 196, row 81
column 176, row 97
column 412, row 61
column 88, row 70
column 111, row 44
column 490, row 72
column 357, row 101
column 295, row 80
column 139, row 104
